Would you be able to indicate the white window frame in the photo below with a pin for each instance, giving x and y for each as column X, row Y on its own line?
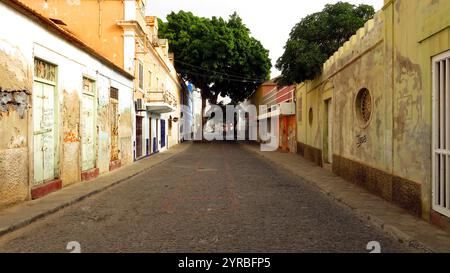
column 441, row 120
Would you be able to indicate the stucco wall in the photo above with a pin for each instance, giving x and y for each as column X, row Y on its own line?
column 390, row 57
column 71, row 137
column 99, row 16
column 16, row 63
column 15, row 75
column 416, row 42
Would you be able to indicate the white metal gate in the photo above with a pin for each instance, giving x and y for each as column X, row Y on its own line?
column 44, row 132
column 441, row 134
column 88, row 126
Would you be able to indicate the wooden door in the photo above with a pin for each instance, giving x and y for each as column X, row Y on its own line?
column 114, row 120
column 88, row 128
column 138, row 137
column 44, row 132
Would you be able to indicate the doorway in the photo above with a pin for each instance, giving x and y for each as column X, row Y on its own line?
column 150, row 138
column 44, row 136
column 114, row 119
column 441, row 134
column 88, row 130
column 163, row 133
column 328, row 133
column 138, row 137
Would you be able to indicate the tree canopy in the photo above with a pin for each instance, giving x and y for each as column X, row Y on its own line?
column 316, row 37
column 216, row 55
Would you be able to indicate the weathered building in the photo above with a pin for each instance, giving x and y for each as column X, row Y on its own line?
column 280, row 103
column 379, row 111
column 65, row 110
column 121, row 32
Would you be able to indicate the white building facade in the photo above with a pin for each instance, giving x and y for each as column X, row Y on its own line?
column 67, row 113
column 157, row 87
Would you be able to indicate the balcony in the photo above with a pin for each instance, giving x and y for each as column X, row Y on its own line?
column 134, row 17
column 160, row 101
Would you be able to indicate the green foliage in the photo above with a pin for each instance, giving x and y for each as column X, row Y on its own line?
column 316, row 37
column 216, row 55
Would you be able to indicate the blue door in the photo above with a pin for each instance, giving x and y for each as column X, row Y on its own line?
column 163, row 133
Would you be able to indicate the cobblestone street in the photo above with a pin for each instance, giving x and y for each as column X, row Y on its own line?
column 214, row 197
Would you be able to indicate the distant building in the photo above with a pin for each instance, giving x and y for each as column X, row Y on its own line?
column 197, row 113
column 187, row 114
column 280, row 103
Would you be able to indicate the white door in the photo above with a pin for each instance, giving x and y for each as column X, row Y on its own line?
column 441, row 134
column 44, row 132
column 88, row 132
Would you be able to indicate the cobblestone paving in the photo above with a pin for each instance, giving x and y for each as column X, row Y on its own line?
column 213, row 197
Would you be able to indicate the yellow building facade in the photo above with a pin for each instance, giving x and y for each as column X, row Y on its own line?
column 377, row 114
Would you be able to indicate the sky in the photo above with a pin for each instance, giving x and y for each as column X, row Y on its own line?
column 269, row 21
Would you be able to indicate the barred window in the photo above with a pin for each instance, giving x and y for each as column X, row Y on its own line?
column 114, row 93
column 44, row 70
column 364, row 106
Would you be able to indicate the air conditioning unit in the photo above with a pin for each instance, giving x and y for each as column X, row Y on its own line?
column 140, row 105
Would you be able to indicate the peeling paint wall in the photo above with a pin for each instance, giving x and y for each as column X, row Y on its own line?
column 391, row 58
column 126, row 136
column 71, row 137
column 103, row 125
column 72, row 64
column 15, row 87
column 415, row 44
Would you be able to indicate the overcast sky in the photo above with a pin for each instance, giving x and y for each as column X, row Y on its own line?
column 269, row 21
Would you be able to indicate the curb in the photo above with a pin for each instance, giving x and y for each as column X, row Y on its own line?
column 389, row 229
column 26, row 222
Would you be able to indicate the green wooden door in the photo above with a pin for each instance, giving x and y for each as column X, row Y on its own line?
column 88, row 132
column 44, row 132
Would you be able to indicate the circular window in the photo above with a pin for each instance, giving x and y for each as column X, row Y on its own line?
column 364, row 106
column 310, row 116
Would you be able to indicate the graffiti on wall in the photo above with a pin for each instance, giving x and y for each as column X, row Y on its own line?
column 15, row 99
column 71, row 117
column 361, row 139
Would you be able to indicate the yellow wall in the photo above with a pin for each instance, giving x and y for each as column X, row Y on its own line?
column 416, row 42
column 94, row 22
column 391, row 57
